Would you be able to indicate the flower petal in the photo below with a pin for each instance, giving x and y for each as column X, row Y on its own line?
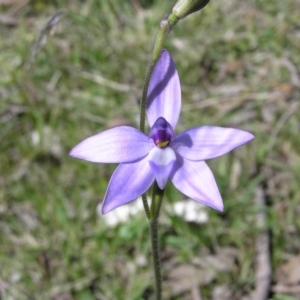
column 128, row 182
column 207, row 142
column 161, row 162
column 195, row 180
column 164, row 93
column 116, row 145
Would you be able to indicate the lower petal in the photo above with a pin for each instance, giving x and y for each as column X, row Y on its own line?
column 195, row 180
column 162, row 162
column 128, row 182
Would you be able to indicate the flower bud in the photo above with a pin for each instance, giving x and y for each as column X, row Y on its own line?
column 184, row 8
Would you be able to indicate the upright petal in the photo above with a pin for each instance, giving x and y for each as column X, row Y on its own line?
column 128, row 182
column 116, row 145
column 195, row 180
column 207, row 142
column 164, row 93
column 162, row 162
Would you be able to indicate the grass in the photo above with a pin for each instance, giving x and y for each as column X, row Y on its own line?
column 238, row 63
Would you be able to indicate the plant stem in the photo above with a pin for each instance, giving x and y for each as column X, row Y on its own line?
column 146, row 206
column 156, row 258
column 157, row 197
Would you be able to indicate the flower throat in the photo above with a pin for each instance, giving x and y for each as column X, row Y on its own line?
column 161, row 133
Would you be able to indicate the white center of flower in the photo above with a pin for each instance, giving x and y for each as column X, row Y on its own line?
column 162, row 156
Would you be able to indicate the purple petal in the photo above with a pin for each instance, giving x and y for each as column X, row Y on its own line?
column 195, row 180
column 161, row 162
column 164, row 93
column 128, row 182
column 207, row 142
column 116, row 145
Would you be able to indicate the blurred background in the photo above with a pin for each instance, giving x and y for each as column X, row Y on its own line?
column 70, row 69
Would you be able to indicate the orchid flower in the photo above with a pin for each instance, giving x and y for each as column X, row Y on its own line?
column 161, row 155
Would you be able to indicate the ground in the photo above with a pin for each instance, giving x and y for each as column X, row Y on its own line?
column 70, row 69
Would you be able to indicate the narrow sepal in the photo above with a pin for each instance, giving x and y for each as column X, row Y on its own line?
column 128, row 182
column 206, row 142
column 195, row 180
column 116, row 145
column 164, row 93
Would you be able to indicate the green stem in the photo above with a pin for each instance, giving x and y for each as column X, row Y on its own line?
column 146, row 206
column 157, row 197
column 155, row 256
column 144, row 96
column 172, row 19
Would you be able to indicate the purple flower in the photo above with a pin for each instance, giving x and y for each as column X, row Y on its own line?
column 161, row 155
